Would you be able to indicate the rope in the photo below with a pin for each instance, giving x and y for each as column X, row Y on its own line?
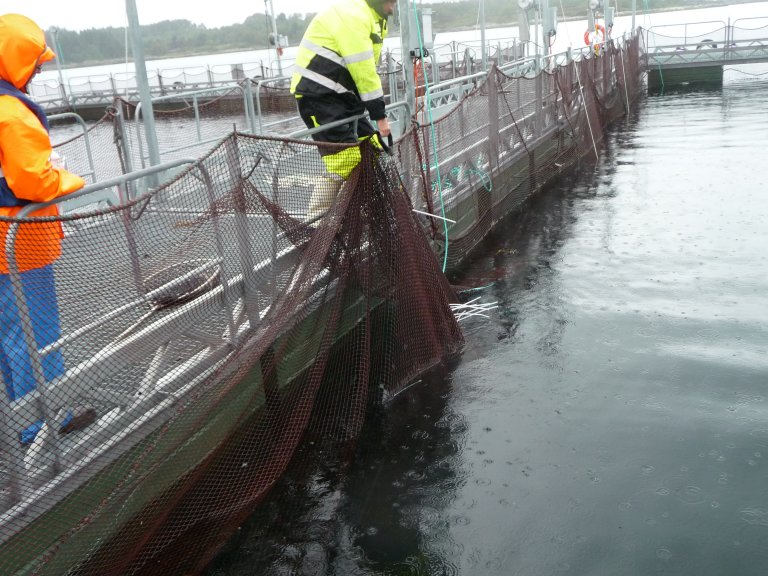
column 476, row 289
column 739, row 70
column 586, row 109
column 487, row 182
column 469, row 309
column 428, row 97
column 581, row 88
column 624, row 75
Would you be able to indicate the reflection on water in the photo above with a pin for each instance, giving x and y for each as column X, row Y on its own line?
column 610, row 418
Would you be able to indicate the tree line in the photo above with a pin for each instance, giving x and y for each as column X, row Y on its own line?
column 170, row 38
column 173, row 38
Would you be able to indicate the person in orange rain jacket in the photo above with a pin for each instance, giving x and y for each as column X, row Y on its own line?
column 27, row 174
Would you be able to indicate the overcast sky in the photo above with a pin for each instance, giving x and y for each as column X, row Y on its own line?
column 83, row 14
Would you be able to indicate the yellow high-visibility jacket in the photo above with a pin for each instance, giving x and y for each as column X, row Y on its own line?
column 339, row 54
column 26, row 170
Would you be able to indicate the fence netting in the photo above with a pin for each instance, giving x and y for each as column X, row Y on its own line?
column 165, row 366
column 508, row 137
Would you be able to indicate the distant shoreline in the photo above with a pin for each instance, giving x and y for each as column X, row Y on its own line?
column 393, row 32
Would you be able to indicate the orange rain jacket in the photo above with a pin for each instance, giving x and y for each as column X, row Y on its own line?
column 25, row 148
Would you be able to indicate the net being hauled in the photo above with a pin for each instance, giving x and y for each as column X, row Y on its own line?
column 234, row 328
column 161, row 372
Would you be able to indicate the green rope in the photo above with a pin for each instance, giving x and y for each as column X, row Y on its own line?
column 476, row 289
column 434, row 140
column 487, row 182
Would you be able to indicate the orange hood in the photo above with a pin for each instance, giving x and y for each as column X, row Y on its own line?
column 22, row 49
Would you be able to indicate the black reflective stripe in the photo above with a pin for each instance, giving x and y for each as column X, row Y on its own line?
column 329, row 69
column 322, row 80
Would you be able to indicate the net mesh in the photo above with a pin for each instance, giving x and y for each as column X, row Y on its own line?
column 185, row 340
column 508, row 137
column 203, row 328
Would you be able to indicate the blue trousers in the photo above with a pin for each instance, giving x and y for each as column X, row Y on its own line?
column 40, row 293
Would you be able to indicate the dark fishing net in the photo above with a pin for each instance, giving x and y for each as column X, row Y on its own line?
column 204, row 328
column 515, row 131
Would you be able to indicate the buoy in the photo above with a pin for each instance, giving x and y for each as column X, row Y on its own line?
column 589, row 35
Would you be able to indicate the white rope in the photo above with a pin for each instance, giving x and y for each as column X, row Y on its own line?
column 581, row 89
column 470, row 309
column 624, row 74
column 586, row 110
column 434, row 216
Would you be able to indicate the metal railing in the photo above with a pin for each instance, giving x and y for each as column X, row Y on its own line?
column 26, row 493
column 254, row 117
column 91, row 171
column 94, row 89
column 710, row 43
column 242, row 92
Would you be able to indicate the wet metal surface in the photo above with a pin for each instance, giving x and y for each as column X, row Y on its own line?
column 611, row 417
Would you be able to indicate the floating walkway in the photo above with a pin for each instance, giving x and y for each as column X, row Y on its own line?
column 697, row 53
column 209, row 325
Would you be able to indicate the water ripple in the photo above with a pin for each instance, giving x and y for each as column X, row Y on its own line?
column 690, row 495
column 755, row 516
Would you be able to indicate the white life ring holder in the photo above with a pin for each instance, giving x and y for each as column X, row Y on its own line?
column 599, row 30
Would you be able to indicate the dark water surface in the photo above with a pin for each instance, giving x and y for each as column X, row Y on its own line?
column 611, row 417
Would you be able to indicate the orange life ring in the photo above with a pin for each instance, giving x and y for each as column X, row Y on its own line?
column 599, row 29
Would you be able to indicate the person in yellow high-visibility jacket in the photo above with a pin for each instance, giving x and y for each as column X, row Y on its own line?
column 27, row 174
column 334, row 78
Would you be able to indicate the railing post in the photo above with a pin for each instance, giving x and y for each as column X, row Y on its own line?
column 143, row 84
column 123, row 135
column 406, row 27
column 250, row 294
column 229, row 298
column 86, row 140
column 258, row 106
column 196, row 108
column 483, row 53
column 454, row 64
column 250, row 112
column 539, row 98
column 391, row 77
column 493, row 117
column 17, row 482
column 30, row 342
column 63, row 92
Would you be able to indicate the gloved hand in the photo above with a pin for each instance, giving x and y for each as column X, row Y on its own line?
column 58, row 160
